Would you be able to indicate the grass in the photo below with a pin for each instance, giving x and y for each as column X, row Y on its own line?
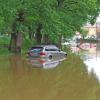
column 4, row 41
column 4, row 51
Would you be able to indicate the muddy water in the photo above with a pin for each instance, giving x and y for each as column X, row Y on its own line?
column 90, row 54
column 70, row 80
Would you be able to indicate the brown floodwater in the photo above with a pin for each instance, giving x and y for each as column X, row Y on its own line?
column 69, row 80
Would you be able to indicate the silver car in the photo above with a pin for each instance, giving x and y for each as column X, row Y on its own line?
column 46, row 51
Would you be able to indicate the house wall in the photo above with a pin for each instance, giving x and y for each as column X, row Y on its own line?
column 93, row 29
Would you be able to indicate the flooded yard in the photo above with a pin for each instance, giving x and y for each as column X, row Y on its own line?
column 69, row 79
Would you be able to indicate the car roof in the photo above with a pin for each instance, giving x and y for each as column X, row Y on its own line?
column 44, row 45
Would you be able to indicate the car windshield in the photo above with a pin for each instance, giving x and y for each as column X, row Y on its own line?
column 36, row 49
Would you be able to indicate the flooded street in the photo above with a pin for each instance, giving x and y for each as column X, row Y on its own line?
column 69, row 79
column 91, row 58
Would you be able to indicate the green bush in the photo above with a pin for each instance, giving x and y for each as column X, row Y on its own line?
column 4, row 39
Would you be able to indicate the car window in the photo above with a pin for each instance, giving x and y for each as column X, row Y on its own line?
column 36, row 49
column 51, row 49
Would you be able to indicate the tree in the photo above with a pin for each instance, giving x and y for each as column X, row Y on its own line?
column 13, row 14
column 48, row 20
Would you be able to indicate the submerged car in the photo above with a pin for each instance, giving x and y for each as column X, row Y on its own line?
column 46, row 51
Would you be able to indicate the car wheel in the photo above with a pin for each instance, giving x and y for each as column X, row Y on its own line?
column 50, row 56
column 65, row 55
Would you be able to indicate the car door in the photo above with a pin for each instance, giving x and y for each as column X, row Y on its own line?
column 51, row 51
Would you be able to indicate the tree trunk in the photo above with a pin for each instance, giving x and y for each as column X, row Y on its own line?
column 12, row 45
column 16, row 37
column 19, row 43
column 15, row 43
column 59, row 41
column 30, row 33
column 46, row 39
column 38, row 35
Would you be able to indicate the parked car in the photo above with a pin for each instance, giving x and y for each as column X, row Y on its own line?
column 46, row 51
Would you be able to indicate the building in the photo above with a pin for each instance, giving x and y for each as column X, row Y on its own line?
column 93, row 30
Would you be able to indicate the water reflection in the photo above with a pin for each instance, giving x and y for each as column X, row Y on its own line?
column 93, row 66
column 45, row 63
column 90, row 54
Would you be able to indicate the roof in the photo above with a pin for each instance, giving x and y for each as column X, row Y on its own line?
column 43, row 45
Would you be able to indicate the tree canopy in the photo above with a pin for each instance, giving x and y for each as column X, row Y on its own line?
column 51, row 17
column 56, row 16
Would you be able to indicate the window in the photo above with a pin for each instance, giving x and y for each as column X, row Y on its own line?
column 51, row 49
column 36, row 49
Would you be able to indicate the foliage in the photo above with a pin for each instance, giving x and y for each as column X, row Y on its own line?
column 93, row 18
column 4, row 39
column 58, row 17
